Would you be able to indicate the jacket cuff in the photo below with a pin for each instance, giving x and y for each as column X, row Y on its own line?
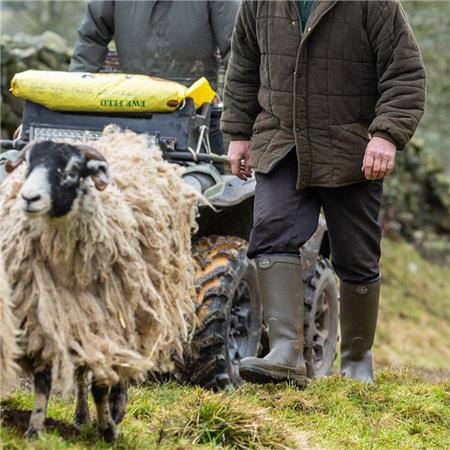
column 386, row 137
column 238, row 137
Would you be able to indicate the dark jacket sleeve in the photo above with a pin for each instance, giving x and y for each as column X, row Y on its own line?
column 94, row 35
column 242, row 82
column 400, row 70
column 222, row 17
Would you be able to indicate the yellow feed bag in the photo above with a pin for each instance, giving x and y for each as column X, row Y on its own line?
column 106, row 92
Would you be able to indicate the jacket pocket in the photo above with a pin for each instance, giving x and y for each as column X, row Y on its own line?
column 265, row 122
column 349, row 142
column 358, row 129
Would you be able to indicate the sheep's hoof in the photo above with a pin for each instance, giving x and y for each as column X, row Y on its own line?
column 32, row 433
column 109, row 434
column 80, row 420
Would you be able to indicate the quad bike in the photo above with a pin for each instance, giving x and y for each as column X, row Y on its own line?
column 228, row 302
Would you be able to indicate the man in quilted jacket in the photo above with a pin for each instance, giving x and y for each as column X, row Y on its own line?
column 319, row 97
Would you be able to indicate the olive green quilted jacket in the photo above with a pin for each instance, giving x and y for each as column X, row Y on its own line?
column 354, row 72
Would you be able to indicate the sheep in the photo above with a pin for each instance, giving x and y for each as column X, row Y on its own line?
column 103, row 280
column 9, row 332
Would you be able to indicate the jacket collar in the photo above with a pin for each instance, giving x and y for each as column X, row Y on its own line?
column 319, row 9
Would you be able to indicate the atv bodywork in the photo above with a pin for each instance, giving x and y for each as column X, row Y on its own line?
column 228, row 303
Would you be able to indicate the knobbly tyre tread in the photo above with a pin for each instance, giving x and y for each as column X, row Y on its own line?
column 323, row 278
column 219, row 262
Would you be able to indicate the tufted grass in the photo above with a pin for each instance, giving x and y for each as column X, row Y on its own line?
column 405, row 409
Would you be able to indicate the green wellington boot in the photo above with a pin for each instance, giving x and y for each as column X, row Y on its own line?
column 358, row 317
column 281, row 288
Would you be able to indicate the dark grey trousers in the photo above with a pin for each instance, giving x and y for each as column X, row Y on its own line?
column 285, row 218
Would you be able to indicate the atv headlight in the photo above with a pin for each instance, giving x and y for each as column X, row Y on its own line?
column 63, row 134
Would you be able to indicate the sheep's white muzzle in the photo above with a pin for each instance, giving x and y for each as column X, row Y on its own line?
column 35, row 197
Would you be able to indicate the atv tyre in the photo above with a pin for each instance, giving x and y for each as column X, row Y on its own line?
column 228, row 310
column 321, row 320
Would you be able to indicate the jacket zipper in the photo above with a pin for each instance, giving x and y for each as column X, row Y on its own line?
column 294, row 109
column 303, row 37
column 275, row 163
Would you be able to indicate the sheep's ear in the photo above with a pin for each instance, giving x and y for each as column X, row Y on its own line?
column 10, row 166
column 97, row 166
column 99, row 172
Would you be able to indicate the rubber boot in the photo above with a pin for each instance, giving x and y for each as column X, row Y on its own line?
column 282, row 292
column 358, row 317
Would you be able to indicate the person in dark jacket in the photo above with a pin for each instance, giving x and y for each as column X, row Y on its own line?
column 176, row 40
column 318, row 99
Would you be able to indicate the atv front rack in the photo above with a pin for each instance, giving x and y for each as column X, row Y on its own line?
column 19, row 144
column 182, row 135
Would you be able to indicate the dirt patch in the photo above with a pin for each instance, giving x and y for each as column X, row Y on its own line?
column 18, row 419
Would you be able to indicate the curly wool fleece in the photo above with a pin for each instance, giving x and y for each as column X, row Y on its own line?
column 111, row 285
column 9, row 350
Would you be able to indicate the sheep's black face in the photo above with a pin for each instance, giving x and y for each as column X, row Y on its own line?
column 54, row 178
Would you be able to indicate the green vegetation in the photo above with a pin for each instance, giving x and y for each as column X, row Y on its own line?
column 415, row 310
column 403, row 410
column 430, row 21
column 416, row 203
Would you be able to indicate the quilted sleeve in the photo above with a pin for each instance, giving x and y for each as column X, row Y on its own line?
column 222, row 17
column 401, row 73
column 94, row 35
column 242, row 78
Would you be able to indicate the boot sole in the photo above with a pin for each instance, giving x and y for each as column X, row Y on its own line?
column 259, row 375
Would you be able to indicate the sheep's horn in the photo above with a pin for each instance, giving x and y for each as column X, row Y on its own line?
column 101, row 178
column 91, row 153
column 12, row 166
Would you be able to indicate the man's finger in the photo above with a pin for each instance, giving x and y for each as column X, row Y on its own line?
column 242, row 172
column 243, row 175
column 383, row 169
column 389, row 168
column 247, row 166
column 376, row 167
column 235, row 166
column 368, row 166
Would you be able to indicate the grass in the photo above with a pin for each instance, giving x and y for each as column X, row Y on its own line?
column 401, row 411
column 230, row 419
column 404, row 410
column 414, row 317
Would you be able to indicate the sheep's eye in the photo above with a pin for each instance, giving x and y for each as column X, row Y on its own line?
column 72, row 172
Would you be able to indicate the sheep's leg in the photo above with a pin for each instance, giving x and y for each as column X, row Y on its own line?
column 82, row 416
column 118, row 397
column 105, row 424
column 42, row 388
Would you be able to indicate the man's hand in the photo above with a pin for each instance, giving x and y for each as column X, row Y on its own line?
column 239, row 158
column 379, row 159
